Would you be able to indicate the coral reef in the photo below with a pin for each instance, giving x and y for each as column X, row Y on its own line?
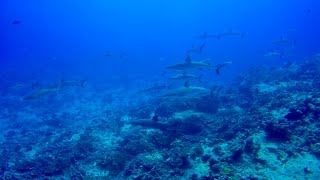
column 266, row 124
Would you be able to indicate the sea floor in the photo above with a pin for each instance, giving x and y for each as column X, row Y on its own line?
column 266, row 125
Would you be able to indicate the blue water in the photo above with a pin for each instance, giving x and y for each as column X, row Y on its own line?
column 78, row 34
column 57, row 40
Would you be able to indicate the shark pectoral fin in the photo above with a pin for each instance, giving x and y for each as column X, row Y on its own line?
column 186, row 84
column 188, row 59
column 218, row 71
column 82, row 83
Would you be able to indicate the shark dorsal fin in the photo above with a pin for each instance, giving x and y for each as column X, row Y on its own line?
column 188, row 59
column 187, row 84
column 184, row 73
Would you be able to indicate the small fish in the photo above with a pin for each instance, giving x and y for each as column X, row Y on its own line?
column 16, row 22
column 53, row 58
column 108, row 54
column 307, row 10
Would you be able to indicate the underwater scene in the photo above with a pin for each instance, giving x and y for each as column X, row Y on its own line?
column 160, row 90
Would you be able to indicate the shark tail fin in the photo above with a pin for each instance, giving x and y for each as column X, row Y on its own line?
column 59, row 87
column 82, row 83
column 200, row 78
column 202, row 46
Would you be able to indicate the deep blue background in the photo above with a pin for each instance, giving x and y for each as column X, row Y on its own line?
column 70, row 38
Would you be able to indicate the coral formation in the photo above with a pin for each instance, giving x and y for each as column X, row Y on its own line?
column 265, row 124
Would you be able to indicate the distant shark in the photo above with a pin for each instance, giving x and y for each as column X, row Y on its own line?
column 284, row 42
column 41, row 92
column 73, row 83
column 53, row 88
column 156, row 87
column 273, row 54
column 230, row 33
column 205, row 36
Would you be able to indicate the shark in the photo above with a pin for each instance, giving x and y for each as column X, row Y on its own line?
column 155, row 88
column 284, row 42
column 273, row 54
column 230, row 33
column 205, row 36
column 184, row 76
column 189, row 64
column 41, row 93
column 73, row 83
column 188, row 91
column 317, row 55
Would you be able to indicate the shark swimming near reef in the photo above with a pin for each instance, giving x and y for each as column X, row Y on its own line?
column 54, row 88
column 184, row 76
column 155, row 88
column 41, row 93
column 191, row 91
column 189, row 64
column 73, row 83
column 173, row 126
